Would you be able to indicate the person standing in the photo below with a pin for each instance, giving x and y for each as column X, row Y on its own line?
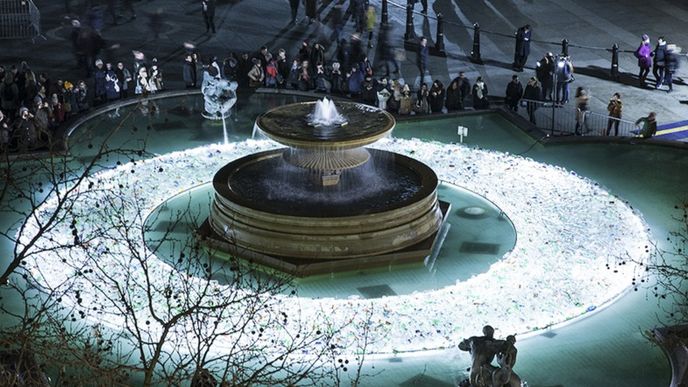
column 453, row 98
column 9, row 96
column 436, row 97
column 99, row 83
column 337, row 20
column 533, row 92
column 424, row 4
column 294, row 5
column 208, row 7
column 644, row 53
column 358, row 14
column 514, row 93
column 564, row 78
column 189, row 72
column 422, row 55
column 387, row 52
column 545, row 73
column 522, row 47
column 123, row 77
column 465, row 87
column 311, row 10
column 480, row 100
column 582, row 100
column 112, row 89
column 671, row 60
column 422, row 102
column 614, row 108
column 658, row 62
column 371, row 18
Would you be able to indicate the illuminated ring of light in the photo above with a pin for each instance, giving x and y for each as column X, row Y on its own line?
column 574, row 253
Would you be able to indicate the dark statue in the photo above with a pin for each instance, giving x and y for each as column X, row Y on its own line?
column 484, row 349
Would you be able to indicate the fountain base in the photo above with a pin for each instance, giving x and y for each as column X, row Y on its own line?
column 419, row 253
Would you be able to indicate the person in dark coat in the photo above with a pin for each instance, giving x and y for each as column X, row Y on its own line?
column 545, row 72
column 189, row 72
column 436, row 97
column 423, row 3
column 386, row 50
column 112, row 90
column 99, row 92
column 317, row 55
column 208, row 7
column 422, row 56
column 294, row 5
column 522, row 47
column 344, row 55
column 659, row 62
column 532, row 92
column 243, row 68
column 337, row 21
column 480, row 100
column 358, row 8
column 282, row 68
column 453, row 98
column 305, row 51
column 671, row 65
column 311, row 10
column 514, row 92
column 9, row 96
column 465, row 87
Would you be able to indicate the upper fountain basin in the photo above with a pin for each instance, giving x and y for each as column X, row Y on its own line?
column 352, row 125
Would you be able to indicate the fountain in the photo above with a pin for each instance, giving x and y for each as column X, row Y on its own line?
column 325, row 203
column 219, row 96
column 326, row 114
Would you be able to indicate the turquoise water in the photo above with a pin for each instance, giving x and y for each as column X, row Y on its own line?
column 605, row 349
column 471, row 245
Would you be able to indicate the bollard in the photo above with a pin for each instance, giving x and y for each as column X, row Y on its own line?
column 439, row 41
column 385, row 14
column 615, row 62
column 564, row 47
column 475, row 53
column 410, row 32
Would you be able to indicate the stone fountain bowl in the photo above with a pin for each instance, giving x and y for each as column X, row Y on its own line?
column 289, row 125
column 264, row 204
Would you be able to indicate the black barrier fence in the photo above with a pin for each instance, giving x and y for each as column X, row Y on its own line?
column 558, row 119
column 475, row 57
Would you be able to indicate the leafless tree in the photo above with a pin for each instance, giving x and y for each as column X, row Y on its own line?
column 113, row 318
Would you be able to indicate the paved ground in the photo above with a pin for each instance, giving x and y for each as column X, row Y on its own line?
column 246, row 25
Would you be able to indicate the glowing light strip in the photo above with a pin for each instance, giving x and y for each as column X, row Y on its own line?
column 576, row 244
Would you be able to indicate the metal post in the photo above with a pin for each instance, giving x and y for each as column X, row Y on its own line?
column 615, row 62
column 475, row 53
column 439, row 41
column 410, row 31
column 385, row 14
column 564, row 47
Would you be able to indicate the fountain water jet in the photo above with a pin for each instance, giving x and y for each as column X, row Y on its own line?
column 326, row 114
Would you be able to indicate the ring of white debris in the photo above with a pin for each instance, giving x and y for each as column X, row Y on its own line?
column 574, row 253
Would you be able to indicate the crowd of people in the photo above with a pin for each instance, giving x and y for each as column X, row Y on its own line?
column 33, row 106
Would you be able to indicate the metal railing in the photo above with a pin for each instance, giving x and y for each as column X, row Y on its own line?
column 19, row 19
column 558, row 119
column 598, row 124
